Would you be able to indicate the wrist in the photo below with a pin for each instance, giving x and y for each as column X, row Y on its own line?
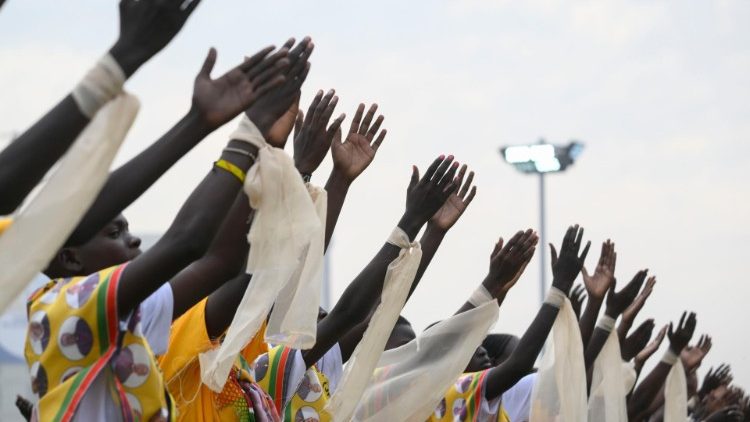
column 196, row 122
column 127, row 58
column 562, row 286
column 612, row 313
column 434, row 230
column 263, row 123
column 410, row 225
column 337, row 180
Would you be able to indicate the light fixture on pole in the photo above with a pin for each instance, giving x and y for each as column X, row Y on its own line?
column 539, row 159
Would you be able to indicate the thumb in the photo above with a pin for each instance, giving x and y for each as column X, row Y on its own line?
column 584, row 272
column 414, row 177
column 208, row 64
column 553, row 251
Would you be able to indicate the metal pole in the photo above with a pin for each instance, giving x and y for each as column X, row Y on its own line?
column 542, row 241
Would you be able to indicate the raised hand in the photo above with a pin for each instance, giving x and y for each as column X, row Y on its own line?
column 279, row 104
column 618, row 302
column 726, row 414
column 576, row 296
column 714, row 379
column 680, row 337
column 508, row 262
column 651, row 348
column 457, row 203
column 219, row 100
column 598, row 284
column 629, row 314
column 351, row 157
column 311, row 137
column 426, row 195
column 692, row 356
column 146, row 27
column 636, row 342
column 566, row 267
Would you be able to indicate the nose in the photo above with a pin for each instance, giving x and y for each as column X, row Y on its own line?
column 135, row 242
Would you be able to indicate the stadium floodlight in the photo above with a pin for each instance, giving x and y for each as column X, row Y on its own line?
column 542, row 158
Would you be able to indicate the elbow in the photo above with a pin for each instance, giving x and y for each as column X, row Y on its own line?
column 181, row 243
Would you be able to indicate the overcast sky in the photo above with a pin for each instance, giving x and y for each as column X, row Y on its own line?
column 659, row 92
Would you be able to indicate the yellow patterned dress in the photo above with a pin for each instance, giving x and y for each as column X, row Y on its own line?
column 299, row 395
column 465, row 401
column 75, row 335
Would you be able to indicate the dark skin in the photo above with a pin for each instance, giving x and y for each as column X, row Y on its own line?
column 222, row 304
column 424, row 198
column 565, row 269
column 628, row 316
column 617, row 302
column 647, row 390
column 438, row 226
column 597, row 285
column 714, row 378
column 200, row 217
column 577, row 296
column 214, row 103
column 637, row 341
column 145, row 29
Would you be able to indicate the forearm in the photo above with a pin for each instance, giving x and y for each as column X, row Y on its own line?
column 430, row 242
column 189, row 236
column 588, row 319
column 521, row 361
column 28, row 158
column 336, row 189
column 131, row 180
column 222, row 261
column 647, row 389
column 223, row 303
column 623, row 329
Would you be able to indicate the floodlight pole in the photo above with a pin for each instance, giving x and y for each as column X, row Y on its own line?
column 542, row 241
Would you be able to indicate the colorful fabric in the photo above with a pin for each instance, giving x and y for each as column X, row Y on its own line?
column 240, row 398
column 75, row 335
column 465, row 401
column 299, row 395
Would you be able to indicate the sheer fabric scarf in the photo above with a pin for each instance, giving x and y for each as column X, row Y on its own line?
column 675, row 394
column 359, row 369
column 43, row 226
column 411, row 380
column 560, row 390
column 607, row 401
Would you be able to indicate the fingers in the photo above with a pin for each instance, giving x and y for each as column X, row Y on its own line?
column 368, row 118
column 270, row 85
column 298, row 122
column 208, row 64
column 441, row 169
column 379, row 139
column 255, row 59
column 270, row 72
column 253, row 70
column 447, row 182
column 472, row 193
column 553, row 252
column 497, row 249
column 357, row 118
column 465, row 188
column 585, row 250
column 336, row 127
column 313, row 107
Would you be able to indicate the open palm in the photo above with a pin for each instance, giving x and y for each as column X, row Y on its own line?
column 351, row 157
column 457, row 203
column 598, row 284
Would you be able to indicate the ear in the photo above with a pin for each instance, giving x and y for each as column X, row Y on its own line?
column 69, row 261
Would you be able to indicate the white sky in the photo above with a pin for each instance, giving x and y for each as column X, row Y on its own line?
column 658, row 91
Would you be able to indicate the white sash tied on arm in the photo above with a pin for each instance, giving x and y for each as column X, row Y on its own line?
column 359, row 369
column 411, row 380
column 43, row 226
column 560, row 390
column 607, row 401
column 675, row 393
column 629, row 376
column 281, row 235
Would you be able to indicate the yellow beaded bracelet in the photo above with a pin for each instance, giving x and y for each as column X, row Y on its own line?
column 226, row 165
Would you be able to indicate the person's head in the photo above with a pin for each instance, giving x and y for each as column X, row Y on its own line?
column 111, row 246
column 401, row 334
column 480, row 361
column 499, row 347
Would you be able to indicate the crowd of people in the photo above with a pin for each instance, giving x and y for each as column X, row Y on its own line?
column 221, row 318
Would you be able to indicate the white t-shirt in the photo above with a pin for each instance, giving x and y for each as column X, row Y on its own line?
column 517, row 399
column 156, row 319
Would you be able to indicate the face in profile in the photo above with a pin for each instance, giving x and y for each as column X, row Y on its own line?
column 479, row 361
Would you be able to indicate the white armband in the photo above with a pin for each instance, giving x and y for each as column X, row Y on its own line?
column 101, row 84
column 606, row 323
column 248, row 132
column 555, row 297
column 480, row 296
column 669, row 357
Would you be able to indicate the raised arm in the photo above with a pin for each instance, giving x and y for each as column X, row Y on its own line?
column 145, row 28
column 597, row 286
column 214, row 103
column 617, row 302
column 423, row 198
column 565, row 269
column 628, row 316
column 350, row 159
column 195, row 226
column 647, row 390
column 433, row 236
